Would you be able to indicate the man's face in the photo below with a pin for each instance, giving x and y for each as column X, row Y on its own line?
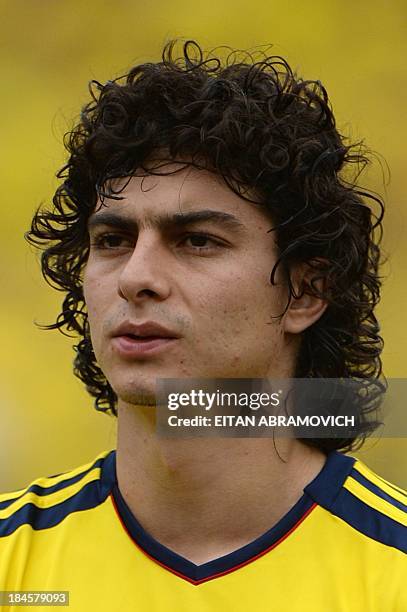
column 205, row 278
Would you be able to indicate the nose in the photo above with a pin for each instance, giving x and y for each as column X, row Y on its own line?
column 146, row 273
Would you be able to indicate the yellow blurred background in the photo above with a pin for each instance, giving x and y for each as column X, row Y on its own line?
column 49, row 52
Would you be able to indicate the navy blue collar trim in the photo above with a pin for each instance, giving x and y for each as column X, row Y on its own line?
column 324, row 488
column 327, row 485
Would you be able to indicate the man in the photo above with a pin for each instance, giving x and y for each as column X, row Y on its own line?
column 204, row 229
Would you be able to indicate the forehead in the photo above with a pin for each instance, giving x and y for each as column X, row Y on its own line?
column 178, row 189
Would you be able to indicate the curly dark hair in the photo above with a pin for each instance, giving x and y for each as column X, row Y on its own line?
column 267, row 132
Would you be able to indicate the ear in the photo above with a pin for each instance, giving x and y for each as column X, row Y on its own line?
column 308, row 307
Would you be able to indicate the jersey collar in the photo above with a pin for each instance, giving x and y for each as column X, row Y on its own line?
column 322, row 490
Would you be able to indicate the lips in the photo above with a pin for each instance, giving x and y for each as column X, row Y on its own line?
column 142, row 338
column 139, row 341
column 148, row 329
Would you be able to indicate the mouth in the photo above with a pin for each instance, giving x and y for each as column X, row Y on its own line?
column 142, row 338
column 131, row 345
column 132, row 340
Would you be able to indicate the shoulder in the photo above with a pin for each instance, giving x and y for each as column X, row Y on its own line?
column 46, row 501
column 374, row 506
column 365, row 501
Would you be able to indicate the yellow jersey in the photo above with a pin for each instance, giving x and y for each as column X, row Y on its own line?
column 341, row 548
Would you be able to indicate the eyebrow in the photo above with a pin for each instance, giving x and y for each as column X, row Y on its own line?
column 167, row 221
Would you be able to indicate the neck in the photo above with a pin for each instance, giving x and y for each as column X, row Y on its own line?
column 205, row 497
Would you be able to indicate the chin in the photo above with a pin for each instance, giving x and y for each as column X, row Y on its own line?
column 139, row 397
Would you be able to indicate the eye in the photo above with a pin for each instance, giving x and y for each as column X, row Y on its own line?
column 110, row 241
column 199, row 241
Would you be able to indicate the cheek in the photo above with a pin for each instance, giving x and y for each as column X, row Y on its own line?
column 243, row 313
column 230, row 306
column 88, row 292
column 94, row 291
